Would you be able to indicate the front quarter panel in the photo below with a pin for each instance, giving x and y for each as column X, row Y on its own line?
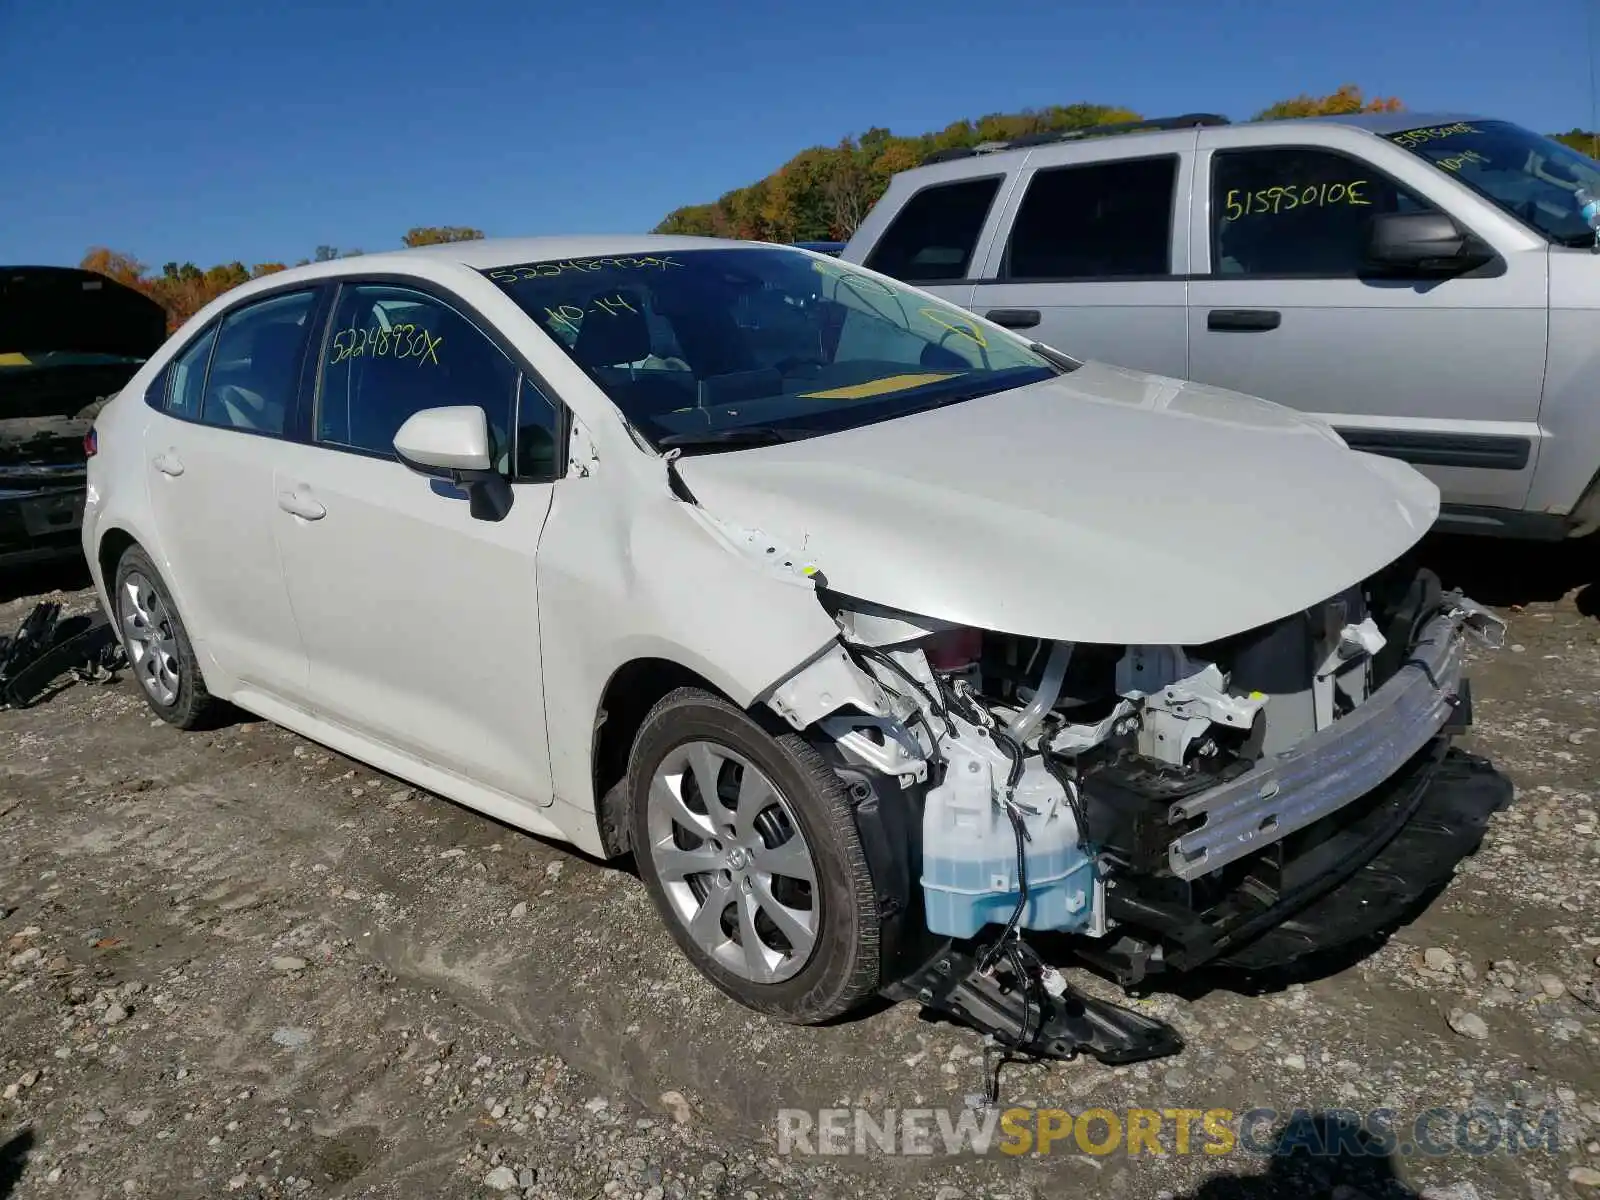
column 627, row 572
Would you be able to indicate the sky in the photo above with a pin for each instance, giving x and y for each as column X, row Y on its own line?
column 220, row 131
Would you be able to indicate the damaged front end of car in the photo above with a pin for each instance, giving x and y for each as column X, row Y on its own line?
column 1281, row 791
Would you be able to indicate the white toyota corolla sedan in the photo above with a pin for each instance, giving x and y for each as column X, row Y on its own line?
column 881, row 637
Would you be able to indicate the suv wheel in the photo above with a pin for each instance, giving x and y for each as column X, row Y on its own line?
column 750, row 852
column 160, row 654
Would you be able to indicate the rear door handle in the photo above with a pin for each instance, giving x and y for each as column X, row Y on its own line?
column 1014, row 318
column 301, row 505
column 167, row 463
column 1243, row 320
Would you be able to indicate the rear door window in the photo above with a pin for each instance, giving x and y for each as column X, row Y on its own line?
column 1106, row 220
column 255, row 369
column 186, row 377
column 933, row 237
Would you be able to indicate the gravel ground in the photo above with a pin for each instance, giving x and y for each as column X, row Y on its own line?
column 237, row 963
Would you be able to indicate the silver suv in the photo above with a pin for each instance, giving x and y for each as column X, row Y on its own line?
column 1426, row 284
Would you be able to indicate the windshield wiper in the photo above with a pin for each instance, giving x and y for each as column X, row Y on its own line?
column 728, row 439
column 1062, row 362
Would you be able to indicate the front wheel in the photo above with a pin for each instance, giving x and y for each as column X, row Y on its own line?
column 748, row 847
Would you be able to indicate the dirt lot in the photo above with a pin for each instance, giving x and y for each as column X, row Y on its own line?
column 237, row 963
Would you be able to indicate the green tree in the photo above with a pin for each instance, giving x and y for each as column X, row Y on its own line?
column 692, row 220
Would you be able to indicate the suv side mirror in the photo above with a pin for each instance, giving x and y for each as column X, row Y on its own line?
column 453, row 444
column 1429, row 242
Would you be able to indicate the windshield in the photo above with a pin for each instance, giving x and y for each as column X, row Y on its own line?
column 1533, row 178
column 696, row 344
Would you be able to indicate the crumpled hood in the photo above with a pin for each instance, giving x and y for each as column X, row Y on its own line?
column 1106, row 505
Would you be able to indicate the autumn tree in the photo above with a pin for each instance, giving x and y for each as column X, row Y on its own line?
column 849, row 189
column 183, row 289
column 434, row 235
column 1340, row 102
column 692, row 220
column 113, row 264
column 896, row 157
column 826, row 191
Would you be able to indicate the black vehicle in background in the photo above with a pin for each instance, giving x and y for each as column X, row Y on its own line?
column 832, row 248
column 69, row 341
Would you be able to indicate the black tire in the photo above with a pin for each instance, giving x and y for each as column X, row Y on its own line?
column 843, row 969
column 193, row 707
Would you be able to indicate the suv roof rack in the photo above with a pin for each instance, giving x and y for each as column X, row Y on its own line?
column 1186, row 121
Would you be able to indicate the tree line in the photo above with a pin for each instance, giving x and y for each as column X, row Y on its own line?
column 183, row 289
column 823, row 193
column 1584, row 141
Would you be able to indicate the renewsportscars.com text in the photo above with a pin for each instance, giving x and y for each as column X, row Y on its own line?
column 1434, row 1132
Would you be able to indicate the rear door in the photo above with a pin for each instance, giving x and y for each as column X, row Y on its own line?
column 420, row 621
column 1092, row 253
column 211, row 451
column 1443, row 372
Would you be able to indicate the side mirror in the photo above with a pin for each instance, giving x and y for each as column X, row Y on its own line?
column 1428, row 242
column 453, row 444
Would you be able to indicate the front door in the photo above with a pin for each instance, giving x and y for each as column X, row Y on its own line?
column 211, row 451
column 420, row 621
column 1445, row 373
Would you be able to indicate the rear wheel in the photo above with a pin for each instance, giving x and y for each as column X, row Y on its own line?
column 160, row 655
column 750, row 852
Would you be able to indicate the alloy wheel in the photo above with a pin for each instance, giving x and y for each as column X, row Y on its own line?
column 147, row 630
column 733, row 862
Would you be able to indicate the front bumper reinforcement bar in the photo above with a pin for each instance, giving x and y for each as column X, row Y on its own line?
column 1336, row 765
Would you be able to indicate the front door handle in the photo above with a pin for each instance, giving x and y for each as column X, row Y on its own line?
column 1243, row 320
column 301, row 505
column 1014, row 318
column 167, row 463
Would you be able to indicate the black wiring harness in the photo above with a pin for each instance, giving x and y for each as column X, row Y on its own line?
column 936, row 708
column 1026, row 965
column 1027, row 1011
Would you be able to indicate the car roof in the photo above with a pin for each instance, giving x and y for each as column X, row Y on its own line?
column 484, row 253
column 1377, row 123
column 481, row 254
column 1386, row 122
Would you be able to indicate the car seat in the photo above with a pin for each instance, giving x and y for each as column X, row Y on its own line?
column 613, row 338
